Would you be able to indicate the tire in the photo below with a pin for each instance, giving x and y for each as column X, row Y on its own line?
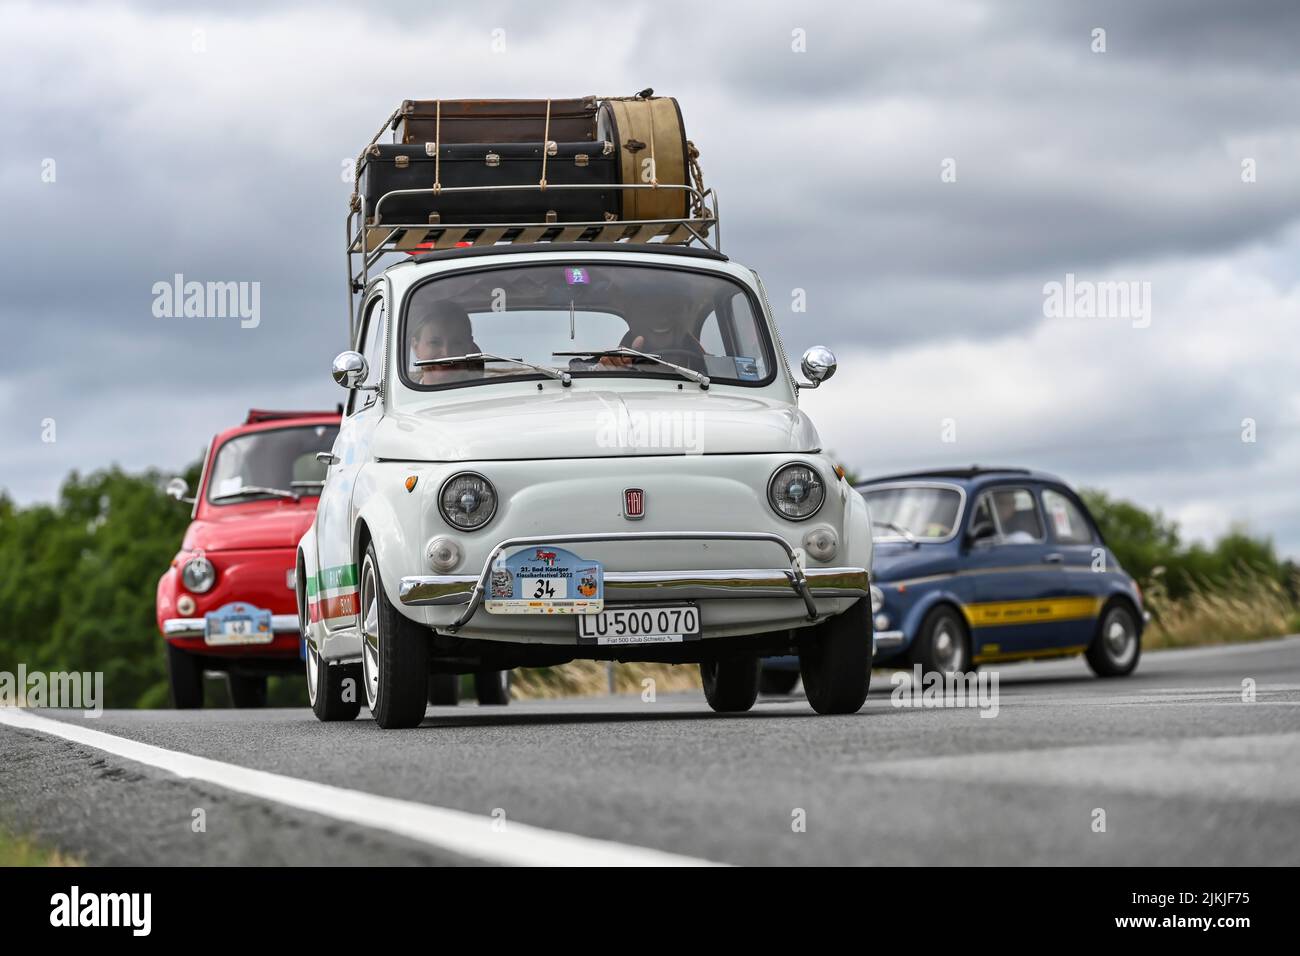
column 444, row 690
column 731, row 685
column 394, row 655
column 185, row 675
column 1116, row 648
column 492, row 688
column 777, row 682
column 942, row 643
column 247, row 690
column 835, row 661
column 328, row 690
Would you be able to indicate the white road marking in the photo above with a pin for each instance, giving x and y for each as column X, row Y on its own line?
column 468, row 834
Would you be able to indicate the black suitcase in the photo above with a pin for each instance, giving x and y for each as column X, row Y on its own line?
column 389, row 167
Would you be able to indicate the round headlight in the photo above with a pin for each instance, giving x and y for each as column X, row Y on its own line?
column 198, row 575
column 796, row 491
column 468, row 501
column 877, row 599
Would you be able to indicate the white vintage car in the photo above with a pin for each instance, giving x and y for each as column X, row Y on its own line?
column 578, row 450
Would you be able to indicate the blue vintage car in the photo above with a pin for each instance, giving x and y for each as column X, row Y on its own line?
column 984, row 565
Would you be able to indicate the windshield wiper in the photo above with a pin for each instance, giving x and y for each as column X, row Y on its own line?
column 907, row 535
column 562, row 377
column 698, row 377
column 258, row 490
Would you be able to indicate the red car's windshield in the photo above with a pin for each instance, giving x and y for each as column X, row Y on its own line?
column 270, row 464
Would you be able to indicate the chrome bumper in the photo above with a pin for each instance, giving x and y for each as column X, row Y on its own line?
column 791, row 581
column 197, row 626
column 888, row 640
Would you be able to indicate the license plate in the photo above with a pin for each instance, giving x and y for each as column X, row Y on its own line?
column 237, row 624
column 657, row 624
column 546, row 580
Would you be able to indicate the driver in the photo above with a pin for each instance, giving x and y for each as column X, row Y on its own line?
column 443, row 329
column 660, row 326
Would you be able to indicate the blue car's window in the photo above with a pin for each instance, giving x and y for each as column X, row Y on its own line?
column 924, row 511
column 1017, row 516
column 1069, row 526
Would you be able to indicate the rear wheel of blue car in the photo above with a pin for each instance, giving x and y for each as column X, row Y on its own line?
column 1117, row 645
column 394, row 655
column 730, row 685
column 942, row 644
column 835, row 660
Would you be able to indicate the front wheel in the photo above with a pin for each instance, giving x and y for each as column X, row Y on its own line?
column 731, row 685
column 1117, row 645
column 941, row 644
column 334, row 691
column 492, row 688
column 835, row 661
column 394, row 655
column 185, row 677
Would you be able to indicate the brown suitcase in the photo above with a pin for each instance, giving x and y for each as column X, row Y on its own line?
column 496, row 121
column 650, row 139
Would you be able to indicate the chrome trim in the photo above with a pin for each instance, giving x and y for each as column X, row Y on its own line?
column 467, row 590
column 888, row 639
column 863, row 487
column 196, row 626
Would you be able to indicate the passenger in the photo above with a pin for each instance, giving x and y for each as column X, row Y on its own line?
column 442, row 330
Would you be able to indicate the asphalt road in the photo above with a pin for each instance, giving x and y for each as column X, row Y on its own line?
column 1185, row 771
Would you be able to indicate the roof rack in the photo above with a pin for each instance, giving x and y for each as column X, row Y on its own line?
column 370, row 238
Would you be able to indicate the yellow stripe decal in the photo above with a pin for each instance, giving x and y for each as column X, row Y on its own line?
column 1037, row 611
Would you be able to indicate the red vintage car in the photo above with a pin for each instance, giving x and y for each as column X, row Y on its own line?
column 227, row 602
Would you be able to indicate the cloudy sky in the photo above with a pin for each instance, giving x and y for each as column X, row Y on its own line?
column 921, row 170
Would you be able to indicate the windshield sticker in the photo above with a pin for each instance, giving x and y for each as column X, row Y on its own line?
column 575, row 275
column 747, row 368
column 229, row 486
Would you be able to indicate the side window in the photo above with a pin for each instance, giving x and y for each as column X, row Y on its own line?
column 1069, row 526
column 1016, row 513
column 372, row 347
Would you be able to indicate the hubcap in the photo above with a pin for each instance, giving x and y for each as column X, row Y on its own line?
column 1121, row 638
column 947, row 648
column 313, row 674
column 370, row 635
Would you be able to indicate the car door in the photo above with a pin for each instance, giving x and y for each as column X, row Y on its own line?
column 1017, row 579
column 337, row 581
column 1087, row 566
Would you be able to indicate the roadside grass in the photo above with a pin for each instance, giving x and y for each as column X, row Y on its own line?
column 23, row 851
column 1247, row 607
column 590, row 679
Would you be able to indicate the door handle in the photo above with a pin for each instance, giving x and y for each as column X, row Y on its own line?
column 1054, row 558
column 327, row 458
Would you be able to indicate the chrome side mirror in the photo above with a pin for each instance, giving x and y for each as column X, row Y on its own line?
column 178, row 489
column 350, row 369
column 818, row 365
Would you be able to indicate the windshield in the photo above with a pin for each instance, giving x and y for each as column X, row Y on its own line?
column 283, row 460
column 702, row 322
column 923, row 511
